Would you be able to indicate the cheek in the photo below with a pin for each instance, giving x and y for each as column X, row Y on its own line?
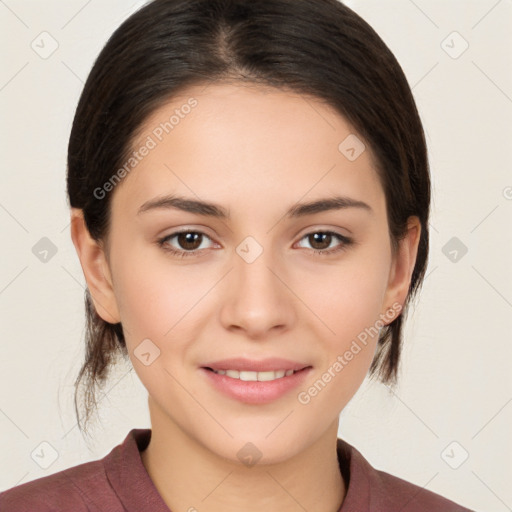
column 349, row 306
column 155, row 298
column 163, row 306
column 348, row 297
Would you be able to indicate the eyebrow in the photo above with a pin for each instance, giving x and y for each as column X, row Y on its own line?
column 214, row 210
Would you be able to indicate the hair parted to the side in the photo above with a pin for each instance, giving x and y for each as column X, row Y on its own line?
column 319, row 48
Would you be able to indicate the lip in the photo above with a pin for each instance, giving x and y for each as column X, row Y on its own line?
column 265, row 365
column 255, row 392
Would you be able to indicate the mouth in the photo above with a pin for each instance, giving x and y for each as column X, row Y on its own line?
column 255, row 382
column 254, row 376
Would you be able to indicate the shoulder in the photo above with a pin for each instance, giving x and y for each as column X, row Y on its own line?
column 395, row 492
column 94, row 486
column 84, row 487
column 373, row 489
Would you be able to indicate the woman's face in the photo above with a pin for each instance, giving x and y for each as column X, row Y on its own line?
column 246, row 282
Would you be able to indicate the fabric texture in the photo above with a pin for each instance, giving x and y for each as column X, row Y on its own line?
column 120, row 483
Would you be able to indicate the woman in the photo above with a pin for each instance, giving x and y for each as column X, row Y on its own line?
column 249, row 193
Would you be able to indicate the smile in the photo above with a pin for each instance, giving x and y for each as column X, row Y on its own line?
column 254, row 376
column 255, row 387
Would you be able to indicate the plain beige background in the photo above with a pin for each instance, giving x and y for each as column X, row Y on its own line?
column 447, row 426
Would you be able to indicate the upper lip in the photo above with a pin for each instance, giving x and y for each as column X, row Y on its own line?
column 241, row 363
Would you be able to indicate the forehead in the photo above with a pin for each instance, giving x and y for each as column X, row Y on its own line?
column 235, row 142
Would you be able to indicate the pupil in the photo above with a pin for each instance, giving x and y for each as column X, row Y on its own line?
column 189, row 240
column 322, row 237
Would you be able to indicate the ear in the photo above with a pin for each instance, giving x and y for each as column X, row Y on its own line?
column 402, row 267
column 95, row 267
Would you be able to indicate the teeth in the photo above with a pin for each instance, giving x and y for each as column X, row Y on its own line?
column 265, row 376
column 255, row 376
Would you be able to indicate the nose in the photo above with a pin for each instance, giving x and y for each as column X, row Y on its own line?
column 257, row 298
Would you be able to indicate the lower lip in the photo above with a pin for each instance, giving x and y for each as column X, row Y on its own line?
column 256, row 392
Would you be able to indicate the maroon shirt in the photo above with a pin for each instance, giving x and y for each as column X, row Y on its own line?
column 120, row 483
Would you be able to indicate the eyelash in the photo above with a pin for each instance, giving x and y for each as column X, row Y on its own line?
column 346, row 242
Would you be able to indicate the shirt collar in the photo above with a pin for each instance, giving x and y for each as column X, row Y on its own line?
column 129, row 477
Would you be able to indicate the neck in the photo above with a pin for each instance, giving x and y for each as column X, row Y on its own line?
column 191, row 477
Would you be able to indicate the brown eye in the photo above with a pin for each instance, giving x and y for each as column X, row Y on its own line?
column 320, row 241
column 184, row 243
column 189, row 240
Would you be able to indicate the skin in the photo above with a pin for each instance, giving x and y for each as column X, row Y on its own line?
column 255, row 151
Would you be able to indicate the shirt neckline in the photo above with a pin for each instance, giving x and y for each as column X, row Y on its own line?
column 137, row 492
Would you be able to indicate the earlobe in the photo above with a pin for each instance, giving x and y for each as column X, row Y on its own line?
column 95, row 267
column 403, row 267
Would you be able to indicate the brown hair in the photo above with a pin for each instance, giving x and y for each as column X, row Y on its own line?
column 319, row 48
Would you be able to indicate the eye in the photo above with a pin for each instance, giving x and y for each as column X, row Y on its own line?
column 189, row 243
column 321, row 242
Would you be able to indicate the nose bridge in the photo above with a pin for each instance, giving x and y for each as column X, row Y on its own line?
column 253, row 266
column 257, row 299
column 254, row 278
